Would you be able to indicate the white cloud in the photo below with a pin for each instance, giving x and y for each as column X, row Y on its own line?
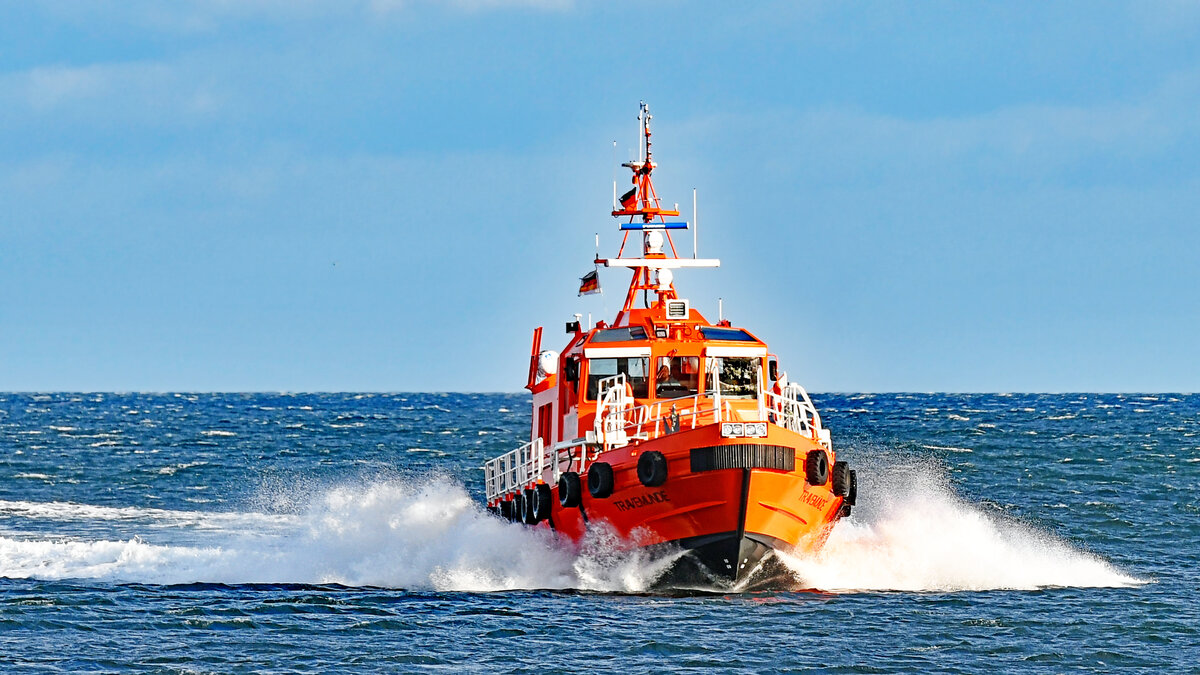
column 51, row 86
column 1167, row 17
column 503, row 4
column 206, row 16
column 144, row 92
column 1024, row 142
column 385, row 6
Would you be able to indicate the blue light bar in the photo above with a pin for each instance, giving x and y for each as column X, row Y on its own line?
column 680, row 225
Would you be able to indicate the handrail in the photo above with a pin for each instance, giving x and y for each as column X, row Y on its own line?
column 612, row 409
column 517, row 469
column 795, row 411
column 657, row 419
column 619, row 422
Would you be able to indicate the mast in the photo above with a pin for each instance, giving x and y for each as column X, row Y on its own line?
column 652, row 271
column 642, row 201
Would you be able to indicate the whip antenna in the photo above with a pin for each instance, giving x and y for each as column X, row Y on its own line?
column 614, row 166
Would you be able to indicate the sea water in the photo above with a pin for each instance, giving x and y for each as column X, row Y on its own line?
column 330, row 532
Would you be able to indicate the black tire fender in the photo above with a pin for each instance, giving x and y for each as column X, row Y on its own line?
column 570, row 490
column 518, row 508
column 541, row 502
column 530, row 515
column 600, row 480
column 652, row 468
column 816, row 467
column 841, row 479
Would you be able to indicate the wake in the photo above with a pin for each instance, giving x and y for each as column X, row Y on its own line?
column 415, row 535
column 910, row 532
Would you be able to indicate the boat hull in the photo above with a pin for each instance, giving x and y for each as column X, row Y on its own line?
column 726, row 560
column 726, row 504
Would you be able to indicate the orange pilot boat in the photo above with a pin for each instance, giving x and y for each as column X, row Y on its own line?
column 679, row 433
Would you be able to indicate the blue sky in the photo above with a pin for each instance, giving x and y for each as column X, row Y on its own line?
column 301, row 195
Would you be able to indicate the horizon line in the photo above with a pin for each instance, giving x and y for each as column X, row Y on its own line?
column 509, row 393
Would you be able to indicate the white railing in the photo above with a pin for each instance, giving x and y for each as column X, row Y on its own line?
column 613, row 407
column 654, row 420
column 618, row 422
column 794, row 411
column 519, row 469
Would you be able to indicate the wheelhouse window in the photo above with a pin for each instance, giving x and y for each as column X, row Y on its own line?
column 728, row 334
column 635, row 369
column 736, row 376
column 677, row 376
column 623, row 334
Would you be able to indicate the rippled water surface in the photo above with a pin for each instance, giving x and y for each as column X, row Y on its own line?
column 326, row 532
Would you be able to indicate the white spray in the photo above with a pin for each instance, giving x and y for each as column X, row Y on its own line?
column 910, row 532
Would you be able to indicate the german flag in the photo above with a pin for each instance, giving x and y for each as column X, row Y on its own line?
column 589, row 283
column 629, row 199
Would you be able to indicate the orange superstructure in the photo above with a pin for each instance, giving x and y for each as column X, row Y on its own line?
column 676, row 431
